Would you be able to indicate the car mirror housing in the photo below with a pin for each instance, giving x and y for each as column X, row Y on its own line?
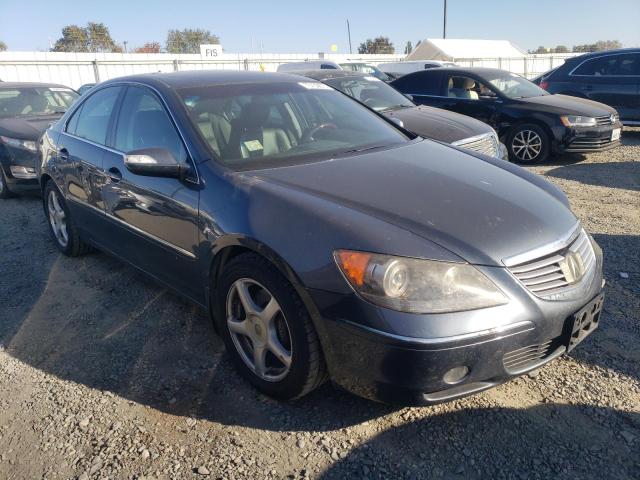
column 154, row 162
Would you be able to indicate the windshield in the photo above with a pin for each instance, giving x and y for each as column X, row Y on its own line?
column 269, row 124
column 514, row 86
column 372, row 92
column 17, row 101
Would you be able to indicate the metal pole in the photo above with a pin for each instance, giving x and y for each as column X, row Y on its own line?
column 444, row 27
column 349, row 33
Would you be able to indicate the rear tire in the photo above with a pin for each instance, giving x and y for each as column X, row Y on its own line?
column 61, row 225
column 292, row 364
column 528, row 143
column 4, row 188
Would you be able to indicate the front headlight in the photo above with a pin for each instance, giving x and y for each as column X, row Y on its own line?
column 577, row 121
column 19, row 143
column 415, row 285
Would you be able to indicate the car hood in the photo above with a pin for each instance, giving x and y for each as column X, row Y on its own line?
column 25, row 127
column 565, row 104
column 438, row 124
column 472, row 207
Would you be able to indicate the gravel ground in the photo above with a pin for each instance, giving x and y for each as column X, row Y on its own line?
column 105, row 375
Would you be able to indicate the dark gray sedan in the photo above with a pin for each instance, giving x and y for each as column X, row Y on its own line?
column 428, row 122
column 26, row 110
column 324, row 240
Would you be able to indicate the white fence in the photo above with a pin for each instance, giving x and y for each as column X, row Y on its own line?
column 75, row 69
column 529, row 66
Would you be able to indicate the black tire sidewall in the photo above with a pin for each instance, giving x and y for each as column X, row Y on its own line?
column 74, row 243
column 5, row 193
column 295, row 314
column 544, row 152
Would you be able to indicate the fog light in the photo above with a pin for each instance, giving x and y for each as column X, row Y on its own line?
column 456, row 374
column 23, row 172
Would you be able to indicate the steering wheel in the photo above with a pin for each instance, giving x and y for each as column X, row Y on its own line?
column 308, row 135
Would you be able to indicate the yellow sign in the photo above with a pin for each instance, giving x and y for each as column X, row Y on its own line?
column 334, row 47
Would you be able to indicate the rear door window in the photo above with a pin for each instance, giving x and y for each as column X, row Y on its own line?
column 420, row 83
column 94, row 116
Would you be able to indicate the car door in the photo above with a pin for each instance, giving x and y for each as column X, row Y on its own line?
column 155, row 218
column 469, row 96
column 81, row 149
column 612, row 80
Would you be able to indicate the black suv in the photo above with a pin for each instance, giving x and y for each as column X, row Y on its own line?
column 611, row 77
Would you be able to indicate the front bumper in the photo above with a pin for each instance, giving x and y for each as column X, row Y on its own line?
column 586, row 139
column 14, row 164
column 412, row 371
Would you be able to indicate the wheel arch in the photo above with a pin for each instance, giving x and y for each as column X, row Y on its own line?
column 232, row 246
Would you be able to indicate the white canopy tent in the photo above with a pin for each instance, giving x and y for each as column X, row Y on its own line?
column 454, row 49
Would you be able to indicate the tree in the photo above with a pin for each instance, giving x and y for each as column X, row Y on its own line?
column 189, row 40
column 149, row 47
column 600, row 45
column 377, row 45
column 99, row 39
column 561, row 49
column 74, row 39
column 3, row 46
column 95, row 37
column 408, row 48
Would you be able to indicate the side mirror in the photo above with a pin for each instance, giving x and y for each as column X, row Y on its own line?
column 154, row 162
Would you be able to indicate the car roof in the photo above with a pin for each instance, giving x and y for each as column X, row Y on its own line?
column 31, row 85
column 479, row 71
column 586, row 56
column 205, row 78
column 328, row 74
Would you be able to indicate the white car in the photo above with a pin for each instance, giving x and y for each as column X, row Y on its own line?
column 308, row 65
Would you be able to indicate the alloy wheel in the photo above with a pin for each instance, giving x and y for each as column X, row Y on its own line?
column 259, row 330
column 526, row 145
column 57, row 219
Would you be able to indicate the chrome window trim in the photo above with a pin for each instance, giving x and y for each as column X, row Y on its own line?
column 571, row 74
column 164, row 106
column 135, row 229
column 544, row 250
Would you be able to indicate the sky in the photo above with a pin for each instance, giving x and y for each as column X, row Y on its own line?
column 298, row 26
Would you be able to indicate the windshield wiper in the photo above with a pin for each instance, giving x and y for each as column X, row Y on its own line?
column 363, row 149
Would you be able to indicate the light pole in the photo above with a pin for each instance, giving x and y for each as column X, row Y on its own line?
column 444, row 27
column 125, row 46
column 349, row 33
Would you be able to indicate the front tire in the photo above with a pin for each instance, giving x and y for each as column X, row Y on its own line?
column 61, row 225
column 4, row 188
column 528, row 143
column 267, row 330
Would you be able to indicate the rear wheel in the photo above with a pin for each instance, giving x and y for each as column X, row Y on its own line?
column 528, row 143
column 61, row 226
column 267, row 329
column 4, row 188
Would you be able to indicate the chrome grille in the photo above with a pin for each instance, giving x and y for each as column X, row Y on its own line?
column 545, row 276
column 487, row 144
column 523, row 358
column 606, row 120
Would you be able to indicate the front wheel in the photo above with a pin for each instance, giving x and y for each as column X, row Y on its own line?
column 4, row 188
column 528, row 143
column 267, row 330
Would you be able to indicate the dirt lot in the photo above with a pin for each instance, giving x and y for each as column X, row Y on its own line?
column 103, row 374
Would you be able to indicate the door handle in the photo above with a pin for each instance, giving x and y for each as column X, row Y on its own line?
column 114, row 174
column 63, row 154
